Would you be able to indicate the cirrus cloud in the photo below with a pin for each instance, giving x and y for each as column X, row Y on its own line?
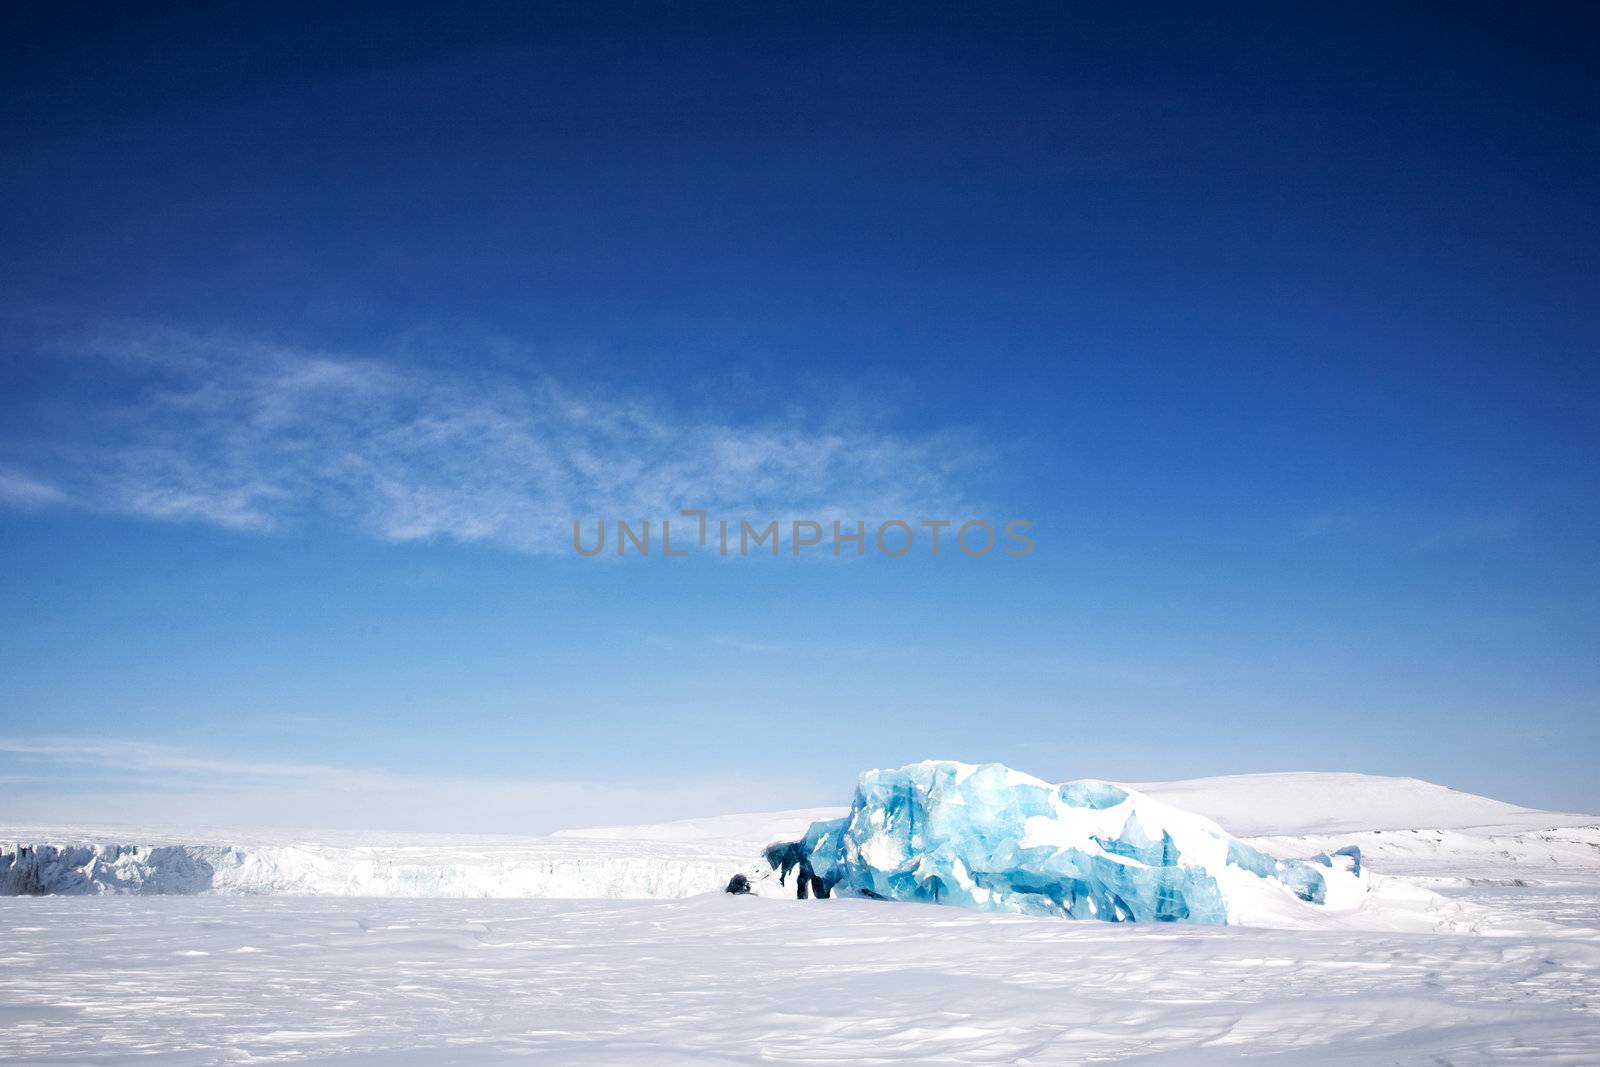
column 254, row 436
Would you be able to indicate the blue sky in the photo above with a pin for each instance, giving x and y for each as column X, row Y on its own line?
column 319, row 328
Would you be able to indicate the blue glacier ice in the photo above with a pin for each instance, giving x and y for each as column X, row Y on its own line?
column 992, row 838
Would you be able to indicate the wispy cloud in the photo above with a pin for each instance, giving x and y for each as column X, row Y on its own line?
column 140, row 757
column 109, row 783
column 1416, row 529
column 801, row 650
column 20, row 491
column 252, row 436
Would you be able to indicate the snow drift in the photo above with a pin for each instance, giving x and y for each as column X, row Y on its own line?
column 995, row 839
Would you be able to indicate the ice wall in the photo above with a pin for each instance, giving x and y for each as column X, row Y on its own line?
column 548, row 868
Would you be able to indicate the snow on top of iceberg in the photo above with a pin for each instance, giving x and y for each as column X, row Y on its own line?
column 990, row 837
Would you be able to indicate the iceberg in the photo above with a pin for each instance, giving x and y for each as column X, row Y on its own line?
column 995, row 839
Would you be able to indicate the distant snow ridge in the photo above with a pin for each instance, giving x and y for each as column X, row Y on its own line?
column 995, row 839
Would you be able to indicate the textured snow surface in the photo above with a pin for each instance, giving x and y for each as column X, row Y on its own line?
column 743, row 980
column 1476, row 945
column 992, row 838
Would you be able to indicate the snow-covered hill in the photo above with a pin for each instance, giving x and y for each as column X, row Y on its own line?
column 1248, row 805
column 1255, row 805
column 758, row 828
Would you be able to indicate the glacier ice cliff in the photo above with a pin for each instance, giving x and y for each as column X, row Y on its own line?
column 549, row 867
column 996, row 839
column 655, row 862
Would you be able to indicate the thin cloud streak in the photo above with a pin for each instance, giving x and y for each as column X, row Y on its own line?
column 112, row 784
column 254, row 437
column 140, row 757
column 1415, row 530
column 20, row 491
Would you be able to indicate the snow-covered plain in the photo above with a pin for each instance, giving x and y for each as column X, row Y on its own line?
column 1480, row 943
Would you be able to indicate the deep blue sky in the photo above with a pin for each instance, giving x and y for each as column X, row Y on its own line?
column 1281, row 325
